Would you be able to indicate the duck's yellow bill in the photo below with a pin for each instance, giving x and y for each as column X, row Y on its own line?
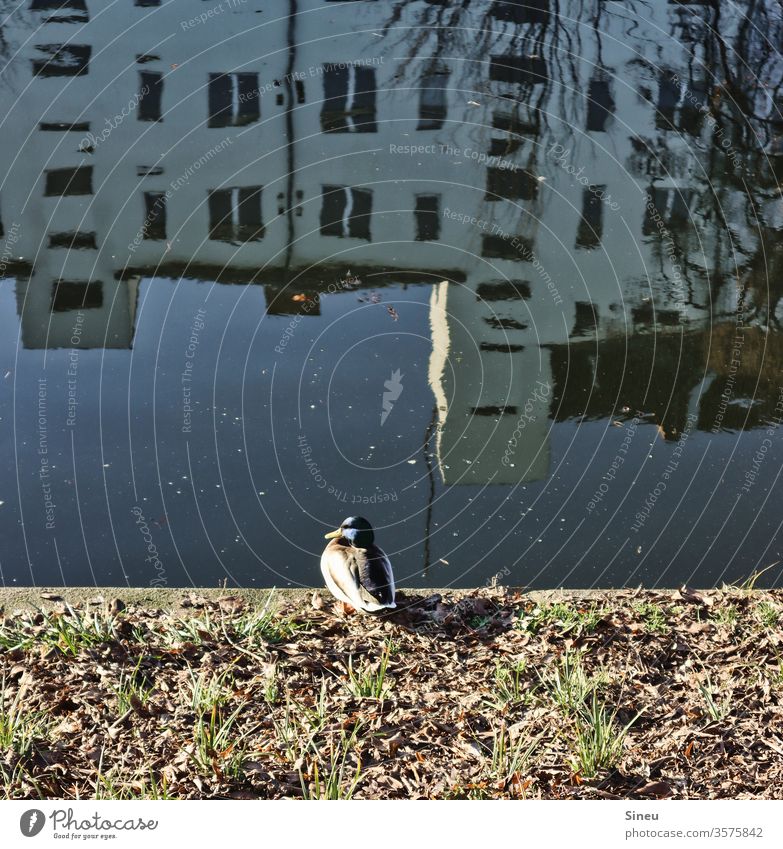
column 334, row 534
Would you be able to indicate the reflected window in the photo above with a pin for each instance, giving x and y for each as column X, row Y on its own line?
column 513, row 68
column 235, row 214
column 586, row 319
column 64, row 126
column 693, row 108
column 62, row 60
column 591, row 226
column 75, row 240
column 501, row 247
column 503, row 290
column 666, row 208
column 510, row 184
column 427, row 215
column 69, row 181
column 668, row 98
column 504, row 323
column 521, row 11
column 349, row 99
column 432, row 99
column 149, row 170
column 514, row 124
column 154, row 228
column 346, row 212
column 75, row 11
column 501, row 347
column 503, row 147
column 600, row 103
column 150, row 96
column 681, row 104
column 233, row 100
column 494, row 410
column 48, row 5
column 647, row 315
column 68, row 295
column 283, row 208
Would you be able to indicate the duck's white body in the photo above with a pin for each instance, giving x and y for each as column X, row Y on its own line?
column 361, row 577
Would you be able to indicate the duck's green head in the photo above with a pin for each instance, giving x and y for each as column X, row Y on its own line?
column 356, row 530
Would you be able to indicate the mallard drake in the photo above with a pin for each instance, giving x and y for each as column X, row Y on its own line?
column 356, row 571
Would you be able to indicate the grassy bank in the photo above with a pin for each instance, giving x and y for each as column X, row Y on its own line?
column 489, row 694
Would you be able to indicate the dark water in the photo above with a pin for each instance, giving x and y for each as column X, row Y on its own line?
column 503, row 277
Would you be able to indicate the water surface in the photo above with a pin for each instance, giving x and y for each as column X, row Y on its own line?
column 503, row 277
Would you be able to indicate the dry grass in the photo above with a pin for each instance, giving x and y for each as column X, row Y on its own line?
column 482, row 695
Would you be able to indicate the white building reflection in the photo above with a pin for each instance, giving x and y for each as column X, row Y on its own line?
column 565, row 196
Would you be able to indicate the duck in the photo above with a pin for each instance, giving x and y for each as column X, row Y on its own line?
column 356, row 570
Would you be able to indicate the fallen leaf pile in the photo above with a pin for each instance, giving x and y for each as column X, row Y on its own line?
column 482, row 694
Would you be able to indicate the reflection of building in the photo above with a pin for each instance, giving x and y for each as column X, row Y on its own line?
column 84, row 312
column 577, row 198
column 492, row 398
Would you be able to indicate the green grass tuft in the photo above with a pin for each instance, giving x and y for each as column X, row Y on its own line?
column 329, row 775
column 369, row 681
column 567, row 683
column 19, row 728
column 599, row 738
column 717, row 708
column 567, row 618
column 653, row 616
column 133, row 689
